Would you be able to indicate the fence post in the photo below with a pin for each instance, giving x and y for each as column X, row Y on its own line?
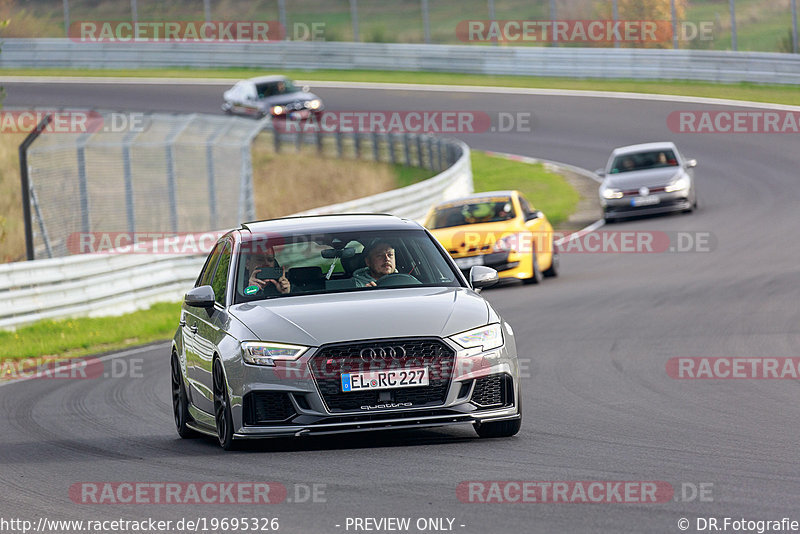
column 356, row 145
column 25, row 182
column 211, row 173
column 794, row 26
column 83, row 185
column 66, row 18
column 734, row 44
column 128, row 177
column 172, row 185
column 282, row 17
column 553, row 15
column 406, row 149
column 354, row 19
column 426, row 22
column 134, row 12
column 375, row 152
column 390, row 145
column 207, row 10
column 674, row 24
column 615, row 17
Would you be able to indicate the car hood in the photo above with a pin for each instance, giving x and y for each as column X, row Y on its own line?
column 647, row 177
column 288, row 98
column 314, row 320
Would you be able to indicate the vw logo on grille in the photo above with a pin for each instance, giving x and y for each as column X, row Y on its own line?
column 382, row 353
column 644, row 191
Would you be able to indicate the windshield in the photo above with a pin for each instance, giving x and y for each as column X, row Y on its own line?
column 281, row 87
column 284, row 266
column 472, row 211
column 644, row 160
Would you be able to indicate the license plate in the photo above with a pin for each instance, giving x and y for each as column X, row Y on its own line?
column 303, row 114
column 385, row 379
column 645, row 201
column 466, row 263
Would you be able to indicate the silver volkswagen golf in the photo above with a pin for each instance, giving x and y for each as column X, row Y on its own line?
column 340, row 323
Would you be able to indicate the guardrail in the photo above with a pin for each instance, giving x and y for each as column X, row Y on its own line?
column 648, row 64
column 110, row 284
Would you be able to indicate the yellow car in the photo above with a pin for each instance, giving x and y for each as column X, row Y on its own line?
column 499, row 229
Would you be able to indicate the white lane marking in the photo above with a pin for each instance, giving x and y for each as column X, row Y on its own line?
column 579, row 170
column 583, row 231
column 113, row 355
column 411, row 87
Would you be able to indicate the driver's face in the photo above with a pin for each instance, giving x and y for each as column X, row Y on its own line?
column 381, row 261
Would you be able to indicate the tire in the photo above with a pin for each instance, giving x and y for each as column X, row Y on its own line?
column 222, row 409
column 537, row 274
column 552, row 272
column 499, row 429
column 180, row 401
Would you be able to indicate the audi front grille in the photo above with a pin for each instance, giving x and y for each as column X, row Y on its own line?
column 332, row 360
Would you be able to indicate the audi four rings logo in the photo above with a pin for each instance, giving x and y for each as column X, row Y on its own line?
column 382, row 353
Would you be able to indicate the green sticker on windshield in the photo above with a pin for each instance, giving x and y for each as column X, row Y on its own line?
column 251, row 290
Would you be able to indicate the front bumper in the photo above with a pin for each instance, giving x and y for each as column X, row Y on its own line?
column 667, row 202
column 482, row 386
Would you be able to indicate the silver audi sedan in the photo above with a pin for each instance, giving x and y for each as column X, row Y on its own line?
column 340, row 323
column 647, row 179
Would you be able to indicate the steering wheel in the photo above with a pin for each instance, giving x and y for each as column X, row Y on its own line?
column 397, row 279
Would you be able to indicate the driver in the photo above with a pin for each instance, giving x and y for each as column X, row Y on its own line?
column 380, row 260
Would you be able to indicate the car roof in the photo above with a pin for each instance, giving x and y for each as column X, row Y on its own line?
column 643, row 147
column 331, row 223
column 484, row 194
column 267, row 79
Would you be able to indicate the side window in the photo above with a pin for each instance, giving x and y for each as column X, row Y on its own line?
column 220, row 281
column 208, row 269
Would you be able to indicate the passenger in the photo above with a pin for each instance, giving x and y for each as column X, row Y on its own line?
column 380, row 261
column 259, row 260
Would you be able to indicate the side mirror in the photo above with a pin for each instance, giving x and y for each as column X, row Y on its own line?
column 200, row 297
column 691, row 163
column 536, row 214
column 600, row 172
column 481, row 276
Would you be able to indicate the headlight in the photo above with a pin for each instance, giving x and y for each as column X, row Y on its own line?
column 610, row 192
column 314, row 104
column 265, row 353
column 487, row 337
column 681, row 184
column 509, row 243
column 277, row 110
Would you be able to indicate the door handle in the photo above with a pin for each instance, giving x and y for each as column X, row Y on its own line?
column 193, row 328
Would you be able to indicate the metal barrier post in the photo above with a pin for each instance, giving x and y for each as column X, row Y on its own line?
column 25, row 182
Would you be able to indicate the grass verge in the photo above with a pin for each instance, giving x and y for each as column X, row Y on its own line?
column 779, row 94
column 90, row 335
column 547, row 191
